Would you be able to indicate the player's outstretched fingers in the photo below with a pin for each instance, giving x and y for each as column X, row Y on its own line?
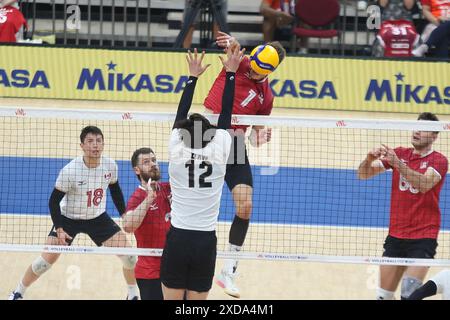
column 203, row 55
column 195, row 54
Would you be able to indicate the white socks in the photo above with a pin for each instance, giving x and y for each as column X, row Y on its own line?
column 230, row 265
column 21, row 288
column 384, row 294
column 133, row 291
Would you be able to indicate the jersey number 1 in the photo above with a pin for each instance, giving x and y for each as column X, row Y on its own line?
column 201, row 180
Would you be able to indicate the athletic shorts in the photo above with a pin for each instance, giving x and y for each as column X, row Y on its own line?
column 98, row 229
column 238, row 166
column 409, row 248
column 150, row 289
column 189, row 9
column 189, row 259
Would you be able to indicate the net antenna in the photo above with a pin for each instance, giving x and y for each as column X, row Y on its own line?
column 209, row 9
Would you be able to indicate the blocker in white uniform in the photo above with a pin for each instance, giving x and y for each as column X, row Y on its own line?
column 196, row 179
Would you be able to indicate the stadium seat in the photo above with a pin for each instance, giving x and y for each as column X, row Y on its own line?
column 318, row 15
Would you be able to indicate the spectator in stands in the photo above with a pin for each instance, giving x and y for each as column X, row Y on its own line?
column 189, row 7
column 438, row 39
column 437, row 12
column 278, row 18
column 5, row 3
column 396, row 9
column 395, row 14
column 362, row 5
column 12, row 21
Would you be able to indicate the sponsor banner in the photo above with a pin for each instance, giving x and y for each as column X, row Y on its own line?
column 150, row 76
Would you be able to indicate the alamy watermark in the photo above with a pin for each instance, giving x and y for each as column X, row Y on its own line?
column 373, row 17
column 73, row 21
column 73, row 281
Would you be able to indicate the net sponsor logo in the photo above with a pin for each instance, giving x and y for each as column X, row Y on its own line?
column 282, row 256
column 111, row 80
column 234, row 120
column 446, row 126
column 306, row 89
column 22, row 78
column 341, row 124
column 60, row 249
column 390, row 91
column 20, row 112
column 389, row 260
column 127, row 116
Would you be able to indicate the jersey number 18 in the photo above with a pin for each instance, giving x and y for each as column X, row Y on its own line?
column 96, row 199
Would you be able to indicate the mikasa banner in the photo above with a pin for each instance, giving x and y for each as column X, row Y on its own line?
column 155, row 76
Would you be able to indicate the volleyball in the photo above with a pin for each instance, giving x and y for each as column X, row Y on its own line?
column 264, row 59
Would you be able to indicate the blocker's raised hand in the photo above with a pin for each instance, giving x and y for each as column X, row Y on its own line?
column 195, row 63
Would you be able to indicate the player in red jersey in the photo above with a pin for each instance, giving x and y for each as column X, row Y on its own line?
column 11, row 21
column 398, row 38
column 148, row 216
column 417, row 179
column 253, row 96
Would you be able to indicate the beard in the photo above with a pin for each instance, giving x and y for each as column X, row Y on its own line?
column 154, row 175
column 419, row 144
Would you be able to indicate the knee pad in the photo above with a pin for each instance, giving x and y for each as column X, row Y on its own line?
column 39, row 266
column 384, row 294
column 129, row 262
column 409, row 285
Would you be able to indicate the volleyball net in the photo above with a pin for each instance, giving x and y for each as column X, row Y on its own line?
column 308, row 203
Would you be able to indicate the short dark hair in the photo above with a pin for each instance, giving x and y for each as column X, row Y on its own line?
column 428, row 116
column 135, row 157
column 90, row 129
column 189, row 139
column 280, row 50
column 137, row 153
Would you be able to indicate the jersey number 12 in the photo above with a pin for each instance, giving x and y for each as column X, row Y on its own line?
column 201, row 180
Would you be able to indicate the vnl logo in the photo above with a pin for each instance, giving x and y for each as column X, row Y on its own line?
column 399, row 90
column 109, row 78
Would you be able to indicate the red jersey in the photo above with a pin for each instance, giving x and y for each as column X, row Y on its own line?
column 250, row 97
column 438, row 8
column 11, row 20
column 416, row 215
column 398, row 38
column 152, row 232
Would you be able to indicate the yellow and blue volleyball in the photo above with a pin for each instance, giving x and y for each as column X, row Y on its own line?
column 264, row 59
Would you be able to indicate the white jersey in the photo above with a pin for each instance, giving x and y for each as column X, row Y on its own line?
column 85, row 188
column 196, row 179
